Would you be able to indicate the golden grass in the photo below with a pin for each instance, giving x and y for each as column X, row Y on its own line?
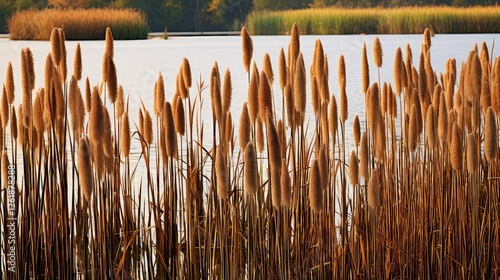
column 418, row 200
column 78, row 24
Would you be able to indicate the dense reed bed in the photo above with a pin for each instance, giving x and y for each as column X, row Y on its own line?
column 406, row 20
column 78, row 24
column 280, row 197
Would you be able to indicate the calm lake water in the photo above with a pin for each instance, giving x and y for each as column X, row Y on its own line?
column 138, row 63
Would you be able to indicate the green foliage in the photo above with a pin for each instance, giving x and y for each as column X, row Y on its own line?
column 410, row 20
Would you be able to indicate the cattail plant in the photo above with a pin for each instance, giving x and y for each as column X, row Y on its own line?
column 247, row 47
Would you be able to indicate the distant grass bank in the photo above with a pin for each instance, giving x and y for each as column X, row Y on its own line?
column 409, row 20
column 78, row 24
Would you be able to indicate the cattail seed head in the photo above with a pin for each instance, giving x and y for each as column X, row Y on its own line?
column 227, row 92
column 273, row 143
column 9, row 83
column 147, row 127
column 299, row 86
column 253, row 97
column 170, row 137
column 222, row 174
column 398, row 71
column 5, row 170
column 260, row 135
column 244, row 127
column 112, row 81
column 363, row 157
column 38, row 110
column 283, row 70
column 120, row 103
column 251, row 175
column 63, row 69
column 4, row 108
column 377, row 52
column 294, row 47
column 472, row 154
column 490, row 135
column 96, row 116
column 77, row 63
column 315, row 94
column 353, row 169
column 268, row 68
column 431, row 126
column 13, row 124
column 356, row 127
column 247, row 47
column 374, row 189
column 159, row 95
column 85, row 168
column 125, row 135
column 19, row 128
column 365, row 70
column 186, row 75
column 456, row 148
column 55, row 44
column 473, row 77
column 315, row 188
column 179, row 115
column 88, row 95
column 333, row 118
column 265, row 97
column 427, row 38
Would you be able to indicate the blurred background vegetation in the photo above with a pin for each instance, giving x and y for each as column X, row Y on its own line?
column 209, row 15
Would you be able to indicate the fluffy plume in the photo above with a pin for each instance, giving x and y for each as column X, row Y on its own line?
column 365, row 70
column 398, row 71
column 77, row 63
column 186, row 75
column 363, row 157
column 85, row 168
column 377, row 52
column 472, row 154
column 315, row 188
column 253, row 97
column 247, row 47
column 490, row 135
column 170, row 137
column 268, row 68
column 251, row 170
column 120, row 103
column 265, row 97
column 282, row 68
column 374, row 190
column 227, row 92
column 222, row 173
column 55, row 46
column 125, row 135
column 353, row 169
column 456, row 148
column 9, row 83
column 244, row 127
column 159, row 95
column 179, row 115
column 299, row 86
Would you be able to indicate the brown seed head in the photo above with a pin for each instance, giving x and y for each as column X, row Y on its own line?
column 88, row 96
column 180, row 116
column 253, row 97
column 356, row 131
column 374, row 189
column 120, row 103
column 377, row 52
column 125, row 135
column 85, row 168
column 363, row 157
column 299, row 86
column 244, row 127
column 456, row 148
column 4, row 108
column 260, row 135
column 268, row 68
column 222, row 173
column 283, row 69
column 315, row 188
column 365, row 70
column 55, row 44
column 490, row 135
column 265, row 98
column 186, row 75
column 247, row 47
column 333, row 118
column 227, row 92
column 77, row 63
column 63, row 69
column 159, row 95
column 9, row 83
column 353, row 169
column 398, row 71
column 13, row 123
column 472, row 154
column 170, row 137
column 251, row 173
